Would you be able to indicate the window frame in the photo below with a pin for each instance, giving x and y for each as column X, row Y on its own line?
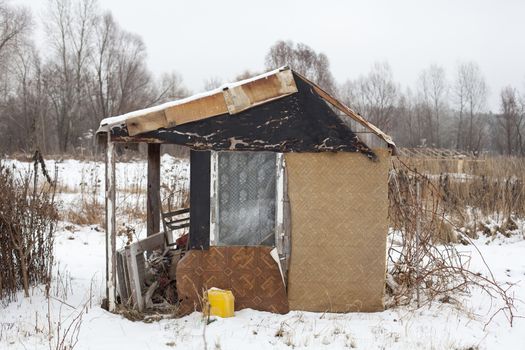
column 279, row 199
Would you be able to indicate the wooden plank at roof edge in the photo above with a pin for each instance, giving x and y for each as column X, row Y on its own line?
column 256, row 92
column 232, row 100
column 332, row 100
column 202, row 108
column 147, row 122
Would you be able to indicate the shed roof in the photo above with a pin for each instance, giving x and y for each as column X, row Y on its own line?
column 279, row 110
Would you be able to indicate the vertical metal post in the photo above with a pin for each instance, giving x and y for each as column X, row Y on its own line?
column 279, row 204
column 214, row 198
column 111, row 279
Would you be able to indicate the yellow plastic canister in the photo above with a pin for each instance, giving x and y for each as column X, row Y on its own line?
column 221, row 302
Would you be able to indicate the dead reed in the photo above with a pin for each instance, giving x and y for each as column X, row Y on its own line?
column 486, row 187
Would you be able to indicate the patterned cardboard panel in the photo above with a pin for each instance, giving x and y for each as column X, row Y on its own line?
column 249, row 272
column 339, row 205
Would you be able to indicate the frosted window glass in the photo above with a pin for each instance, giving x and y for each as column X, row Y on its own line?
column 246, row 198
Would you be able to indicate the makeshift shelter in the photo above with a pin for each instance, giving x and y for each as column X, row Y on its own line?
column 288, row 195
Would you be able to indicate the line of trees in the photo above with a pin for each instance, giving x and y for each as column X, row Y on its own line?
column 89, row 68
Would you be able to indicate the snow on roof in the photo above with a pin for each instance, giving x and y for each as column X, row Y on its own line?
column 107, row 123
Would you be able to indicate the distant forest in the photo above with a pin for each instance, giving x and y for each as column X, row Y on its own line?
column 92, row 68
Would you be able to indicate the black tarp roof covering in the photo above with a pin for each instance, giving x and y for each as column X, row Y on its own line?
column 300, row 122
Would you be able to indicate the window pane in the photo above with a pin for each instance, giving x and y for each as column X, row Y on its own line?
column 246, row 195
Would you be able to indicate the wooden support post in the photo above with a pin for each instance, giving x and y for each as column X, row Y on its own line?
column 111, row 273
column 153, row 207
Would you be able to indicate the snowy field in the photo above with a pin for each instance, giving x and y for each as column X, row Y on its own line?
column 78, row 288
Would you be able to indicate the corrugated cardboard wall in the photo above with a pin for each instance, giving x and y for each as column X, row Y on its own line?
column 339, row 204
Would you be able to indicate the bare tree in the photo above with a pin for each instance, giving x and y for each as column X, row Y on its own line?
column 520, row 125
column 70, row 30
column 433, row 88
column 314, row 66
column 14, row 23
column 26, row 109
column 511, row 122
column 171, row 87
column 212, row 83
column 97, row 70
column 119, row 79
column 16, row 68
column 470, row 92
column 92, row 69
column 408, row 131
column 374, row 95
column 15, row 27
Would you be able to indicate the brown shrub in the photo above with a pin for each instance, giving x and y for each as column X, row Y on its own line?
column 28, row 217
column 423, row 265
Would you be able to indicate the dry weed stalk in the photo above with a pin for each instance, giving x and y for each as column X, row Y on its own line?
column 28, row 217
column 88, row 209
column 421, row 260
column 64, row 336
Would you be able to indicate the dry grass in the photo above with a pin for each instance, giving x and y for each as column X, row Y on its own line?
column 423, row 265
column 493, row 166
column 487, row 187
column 88, row 211
column 88, row 208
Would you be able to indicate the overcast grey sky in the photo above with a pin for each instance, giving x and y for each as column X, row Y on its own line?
column 200, row 39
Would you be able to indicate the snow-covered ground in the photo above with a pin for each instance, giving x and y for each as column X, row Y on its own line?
column 79, row 285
